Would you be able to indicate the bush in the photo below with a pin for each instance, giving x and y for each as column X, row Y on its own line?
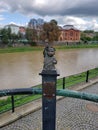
column 33, row 43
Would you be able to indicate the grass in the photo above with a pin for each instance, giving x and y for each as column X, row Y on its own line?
column 93, row 73
column 39, row 48
column 5, row 104
column 72, row 80
column 26, row 99
column 19, row 49
column 77, row 79
column 77, row 46
column 20, row 100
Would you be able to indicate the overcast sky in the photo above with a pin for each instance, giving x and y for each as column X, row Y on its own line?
column 83, row 14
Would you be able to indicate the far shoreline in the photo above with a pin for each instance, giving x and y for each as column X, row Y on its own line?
column 40, row 48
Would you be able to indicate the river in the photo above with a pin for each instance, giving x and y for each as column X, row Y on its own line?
column 22, row 69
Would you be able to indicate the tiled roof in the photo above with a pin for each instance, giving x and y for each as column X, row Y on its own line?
column 67, row 27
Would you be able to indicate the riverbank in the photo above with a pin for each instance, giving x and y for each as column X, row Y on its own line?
column 19, row 49
column 71, row 81
column 77, row 46
column 40, row 48
column 9, row 117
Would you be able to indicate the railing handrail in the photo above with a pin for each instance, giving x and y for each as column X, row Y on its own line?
column 29, row 93
column 60, row 92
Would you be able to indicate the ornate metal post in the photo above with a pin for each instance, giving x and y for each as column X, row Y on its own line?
column 49, row 77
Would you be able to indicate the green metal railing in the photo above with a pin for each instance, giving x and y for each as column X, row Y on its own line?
column 49, row 92
column 17, row 100
column 65, row 93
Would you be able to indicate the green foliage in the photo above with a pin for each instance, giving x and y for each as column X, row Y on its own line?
column 33, row 43
column 31, row 35
column 50, row 31
column 89, row 31
column 54, row 21
column 85, row 38
column 95, row 38
column 5, row 34
column 8, row 37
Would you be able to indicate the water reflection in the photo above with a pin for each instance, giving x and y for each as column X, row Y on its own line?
column 22, row 69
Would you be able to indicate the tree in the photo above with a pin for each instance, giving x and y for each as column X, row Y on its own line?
column 89, row 31
column 54, row 21
column 5, row 38
column 9, row 32
column 50, row 31
column 14, row 37
column 31, row 35
column 85, row 38
column 95, row 38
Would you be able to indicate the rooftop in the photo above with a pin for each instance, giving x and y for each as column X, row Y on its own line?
column 67, row 27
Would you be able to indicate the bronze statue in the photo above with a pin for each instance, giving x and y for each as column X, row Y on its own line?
column 49, row 59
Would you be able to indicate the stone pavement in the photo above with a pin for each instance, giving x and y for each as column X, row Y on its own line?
column 72, row 114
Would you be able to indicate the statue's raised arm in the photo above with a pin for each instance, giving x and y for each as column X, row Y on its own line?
column 49, row 59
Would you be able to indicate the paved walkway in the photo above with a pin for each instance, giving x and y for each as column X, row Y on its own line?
column 72, row 114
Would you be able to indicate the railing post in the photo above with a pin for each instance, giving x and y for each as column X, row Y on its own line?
column 12, row 99
column 63, row 82
column 87, row 75
column 49, row 79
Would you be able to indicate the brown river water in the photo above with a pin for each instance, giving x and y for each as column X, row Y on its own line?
column 18, row 70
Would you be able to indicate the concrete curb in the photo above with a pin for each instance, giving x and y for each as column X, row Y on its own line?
column 9, row 117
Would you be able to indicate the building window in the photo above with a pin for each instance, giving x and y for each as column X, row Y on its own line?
column 71, row 33
column 65, row 34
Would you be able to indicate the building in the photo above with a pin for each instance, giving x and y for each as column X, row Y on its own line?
column 22, row 31
column 69, row 34
column 35, row 23
column 14, row 28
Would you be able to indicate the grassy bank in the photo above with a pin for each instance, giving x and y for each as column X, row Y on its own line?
column 70, row 81
column 20, row 49
column 77, row 46
column 38, row 48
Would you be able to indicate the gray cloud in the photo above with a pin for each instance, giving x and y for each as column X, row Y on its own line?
column 88, row 8
column 64, row 11
column 55, row 7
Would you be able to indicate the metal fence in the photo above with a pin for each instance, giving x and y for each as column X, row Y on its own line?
column 11, row 102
